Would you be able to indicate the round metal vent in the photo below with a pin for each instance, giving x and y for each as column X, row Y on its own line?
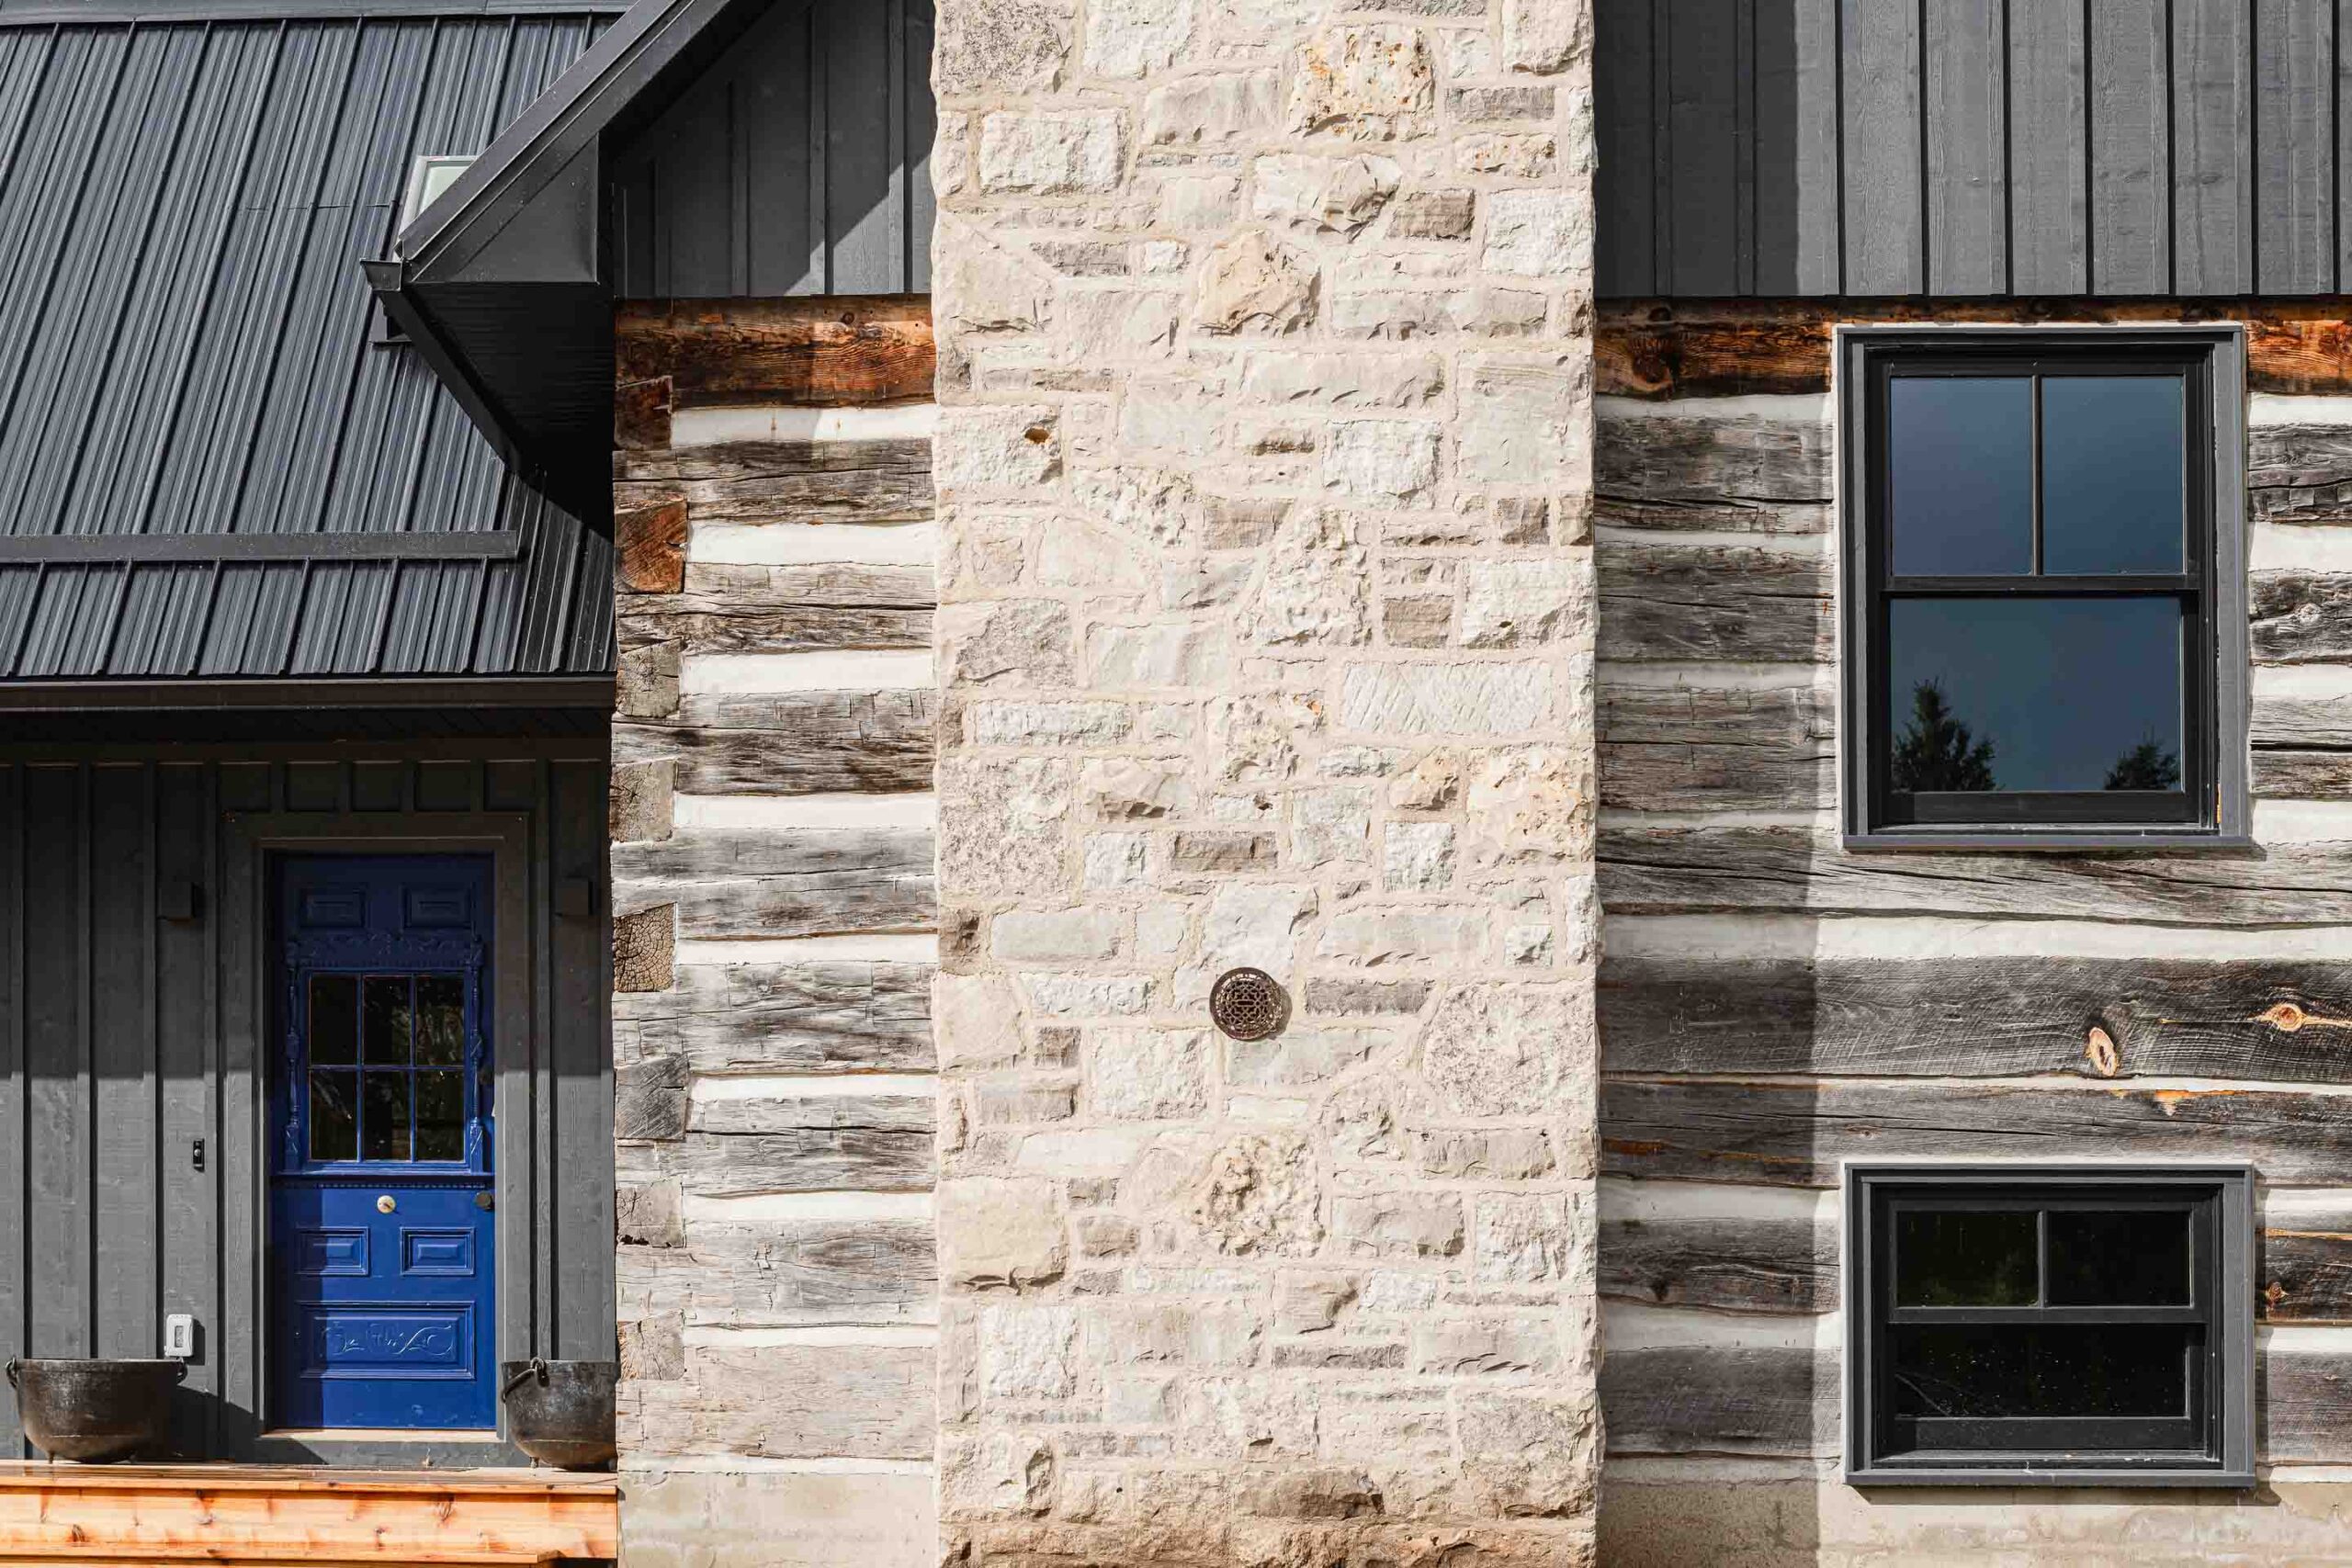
column 1246, row 1004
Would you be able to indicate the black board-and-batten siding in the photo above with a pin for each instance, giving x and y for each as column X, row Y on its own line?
column 127, row 1036
column 1972, row 148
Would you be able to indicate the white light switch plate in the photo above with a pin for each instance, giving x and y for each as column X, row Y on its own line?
column 179, row 1335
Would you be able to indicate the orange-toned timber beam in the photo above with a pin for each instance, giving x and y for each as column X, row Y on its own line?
column 837, row 349
column 1716, row 349
column 257, row 1515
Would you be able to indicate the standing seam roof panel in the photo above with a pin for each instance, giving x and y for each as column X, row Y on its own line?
column 188, row 346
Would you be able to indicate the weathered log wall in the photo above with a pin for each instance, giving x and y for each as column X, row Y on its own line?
column 1772, row 1004
column 772, row 859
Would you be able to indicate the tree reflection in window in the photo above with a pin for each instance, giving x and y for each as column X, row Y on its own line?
column 1936, row 751
column 2148, row 765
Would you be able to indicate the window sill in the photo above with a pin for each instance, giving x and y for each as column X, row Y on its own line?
column 2212, row 1480
column 2045, row 840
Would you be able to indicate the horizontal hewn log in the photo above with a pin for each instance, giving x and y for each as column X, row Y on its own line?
column 1752, row 1399
column 2300, row 473
column 1651, row 349
column 795, row 497
column 1749, row 1265
column 1684, row 601
column 791, row 1402
column 1727, row 1399
column 839, row 586
column 793, row 743
column 790, row 883
column 847, row 1016
column 702, row 623
column 2306, row 1268
column 836, row 349
column 785, row 1273
column 1653, row 870
column 2303, row 775
column 1747, row 475
column 1741, row 1264
column 1992, row 1017
column 1699, row 749
column 1794, row 1134
column 2294, row 724
column 838, row 1160
column 725, row 462
column 2301, row 617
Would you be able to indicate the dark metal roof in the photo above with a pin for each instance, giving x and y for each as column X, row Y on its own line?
column 186, row 363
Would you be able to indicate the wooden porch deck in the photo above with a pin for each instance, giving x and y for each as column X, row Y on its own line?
column 62, row 1514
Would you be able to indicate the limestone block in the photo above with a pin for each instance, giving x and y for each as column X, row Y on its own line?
column 1529, row 806
column 1523, row 417
column 1322, row 196
column 1001, row 45
column 1434, row 782
column 1026, row 936
column 1000, row 823
column 1000, row 1230
column 770, row 1519
column 1148, row 1075
column 1135, row 38
column 976, row 1020
column 1049, row 153
column 1151, row 507
column 1029, row 1352
column 1416, row 857
column 1403, row 934
column 1381, row 459
column 1434, row 215
column 1369, row 380
column 1398, row 1225
column 1018, row 723
column 1519, row 155
column 1178, row 654
column 1099, row 325
column 1182, row 412
column 1296, row 1056
column 994, row 1474
column 1114, row 860
column 1258, row 1196
column 1511, row 1049
column 1199, row 200
column 983, row 287
column 1545, row 37
column 1501, row 1154
column 1517, row 602
column 1011, row 448
column 1017, row 642
column 1258, row 735
column 1372, row 83
column 1126, row 788
column 1445, row 699
column 1332, row 824
column 1252, row 283
column 1316, row 589
column 1204, row 109
column 1528, row 1238
column 1088, row 996
column 1255, row 924
column 1539, row 233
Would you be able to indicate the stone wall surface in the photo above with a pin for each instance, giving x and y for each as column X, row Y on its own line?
column 1266, row 639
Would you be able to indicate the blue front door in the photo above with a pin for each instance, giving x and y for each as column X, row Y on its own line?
column 381, row 1225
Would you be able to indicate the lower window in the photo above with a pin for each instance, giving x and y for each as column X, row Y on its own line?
column 2067, row 1325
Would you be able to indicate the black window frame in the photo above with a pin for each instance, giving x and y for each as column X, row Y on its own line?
column 2212, row 809
column 2215, row 1441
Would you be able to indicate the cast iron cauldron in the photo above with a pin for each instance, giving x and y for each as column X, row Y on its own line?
column 560, row 1413
column 94, row 1411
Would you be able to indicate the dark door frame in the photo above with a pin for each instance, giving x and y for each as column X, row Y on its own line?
column 249, row 842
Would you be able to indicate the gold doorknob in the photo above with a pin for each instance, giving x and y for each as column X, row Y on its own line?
column 385, row 1205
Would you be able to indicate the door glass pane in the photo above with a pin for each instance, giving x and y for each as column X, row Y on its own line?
column 2112, row 460
column 334, row 1019
column 1959, row 450
column 2060, row 693
column 335, row 1115
column 2126, row 1257
column 385, row 1020
column 1951, row 1258
column 440, row 1115
column 384, row 1117
column 440, row 1021
column 2096, row 1369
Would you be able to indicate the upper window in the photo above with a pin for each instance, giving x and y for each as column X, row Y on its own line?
column 2019, row 1323
column 2041, row 579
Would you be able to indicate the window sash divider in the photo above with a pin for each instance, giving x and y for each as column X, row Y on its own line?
column 2104, row 585
column 2192, row 1315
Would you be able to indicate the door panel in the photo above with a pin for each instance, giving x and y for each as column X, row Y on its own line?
column 383, row 1238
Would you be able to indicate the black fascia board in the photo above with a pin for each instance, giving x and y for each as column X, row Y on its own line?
column 389, row 281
